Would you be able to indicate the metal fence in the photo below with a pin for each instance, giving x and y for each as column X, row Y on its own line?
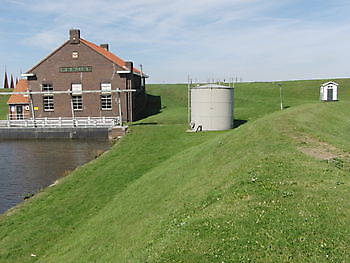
column 79, row 122
column 18, row 116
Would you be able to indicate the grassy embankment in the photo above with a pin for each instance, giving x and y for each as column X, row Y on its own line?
column 262, row 192
column 3, row 105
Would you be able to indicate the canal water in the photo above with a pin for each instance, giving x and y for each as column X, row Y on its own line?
column 27, row 166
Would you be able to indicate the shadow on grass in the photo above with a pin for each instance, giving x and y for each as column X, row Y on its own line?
column 238, row 123
column 144, row 123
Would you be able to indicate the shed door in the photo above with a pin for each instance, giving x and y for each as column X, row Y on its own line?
column 329, row 94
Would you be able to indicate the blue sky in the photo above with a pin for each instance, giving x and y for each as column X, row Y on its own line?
column 206, row 39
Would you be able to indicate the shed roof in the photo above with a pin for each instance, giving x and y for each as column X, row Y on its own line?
column 22, row 86
column 329, row 83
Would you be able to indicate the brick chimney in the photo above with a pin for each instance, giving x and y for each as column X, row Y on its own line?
column 74, row 36
column 105, row 46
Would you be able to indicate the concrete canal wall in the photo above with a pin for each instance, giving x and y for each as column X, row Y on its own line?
column 61, row 133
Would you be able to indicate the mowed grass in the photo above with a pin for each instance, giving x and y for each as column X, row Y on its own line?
column 254, row 100
column 162, row 195
column 3, row 104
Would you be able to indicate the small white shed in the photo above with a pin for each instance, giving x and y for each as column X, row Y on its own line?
column 329, row 91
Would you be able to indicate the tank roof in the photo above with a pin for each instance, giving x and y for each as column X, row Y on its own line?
column 212, row 86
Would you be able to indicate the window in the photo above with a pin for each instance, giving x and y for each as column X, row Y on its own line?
column 106, row 88
column 46, row 87
column 48, row 103
column 77, row 98
column 106, row 102
column 75, row 55
column 77, row 102
column 77, row 89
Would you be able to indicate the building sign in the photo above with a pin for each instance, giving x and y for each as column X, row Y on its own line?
column 36, row 108
column 75, row 69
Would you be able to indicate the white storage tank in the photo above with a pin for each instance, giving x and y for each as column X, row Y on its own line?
column 211, row 108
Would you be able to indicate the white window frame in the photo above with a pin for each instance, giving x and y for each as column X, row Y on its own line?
column 48, row 103
column 106, row 102
column 77, row 89
column 106, row 88
column 46, row 87
column 75, row 55
column 77, row 102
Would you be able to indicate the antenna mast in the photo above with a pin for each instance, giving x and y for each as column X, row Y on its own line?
column 188, row 100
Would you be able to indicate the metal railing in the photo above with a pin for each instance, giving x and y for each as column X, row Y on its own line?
column 79, row 122
column 18, row 116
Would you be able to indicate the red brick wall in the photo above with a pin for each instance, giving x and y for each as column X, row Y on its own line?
column 103, row 70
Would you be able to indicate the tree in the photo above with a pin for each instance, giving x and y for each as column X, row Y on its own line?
column 6, row 84
column 12, row 85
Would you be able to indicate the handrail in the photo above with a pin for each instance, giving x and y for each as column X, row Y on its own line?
column 53, row 92
column 63, row 122
column 18, row 116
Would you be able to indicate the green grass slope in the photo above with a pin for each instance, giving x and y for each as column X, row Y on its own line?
column 273, row 190
column 254, row 100
column 3, row 104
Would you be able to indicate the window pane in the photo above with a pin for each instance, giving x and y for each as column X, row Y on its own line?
column 77, row 102
column 48, row 103
column 75, row 54
column 106, row 87
column 106, row 102
column 77, row 89
column 46, row 87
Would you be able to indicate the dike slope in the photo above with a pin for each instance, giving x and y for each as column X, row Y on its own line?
column 253, row 194
column 3, row 104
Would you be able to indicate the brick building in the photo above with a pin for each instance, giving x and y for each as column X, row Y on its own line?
column 81, row 79
column 19, row 106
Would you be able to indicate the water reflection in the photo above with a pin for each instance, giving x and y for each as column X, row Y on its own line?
column 29, row 165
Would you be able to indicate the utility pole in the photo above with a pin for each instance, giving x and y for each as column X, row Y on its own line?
column 281, row 95
column 142, row 79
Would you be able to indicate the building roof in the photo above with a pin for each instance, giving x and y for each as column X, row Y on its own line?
column 109, row 55
column 105, row 53
column 22, row 86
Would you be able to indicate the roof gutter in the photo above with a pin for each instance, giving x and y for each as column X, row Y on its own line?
column 141, row 75
column 25, row 75
column 135, row 73
column 123, row 71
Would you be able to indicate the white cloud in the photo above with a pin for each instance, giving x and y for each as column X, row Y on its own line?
column 45, row 40
column 203, row 37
